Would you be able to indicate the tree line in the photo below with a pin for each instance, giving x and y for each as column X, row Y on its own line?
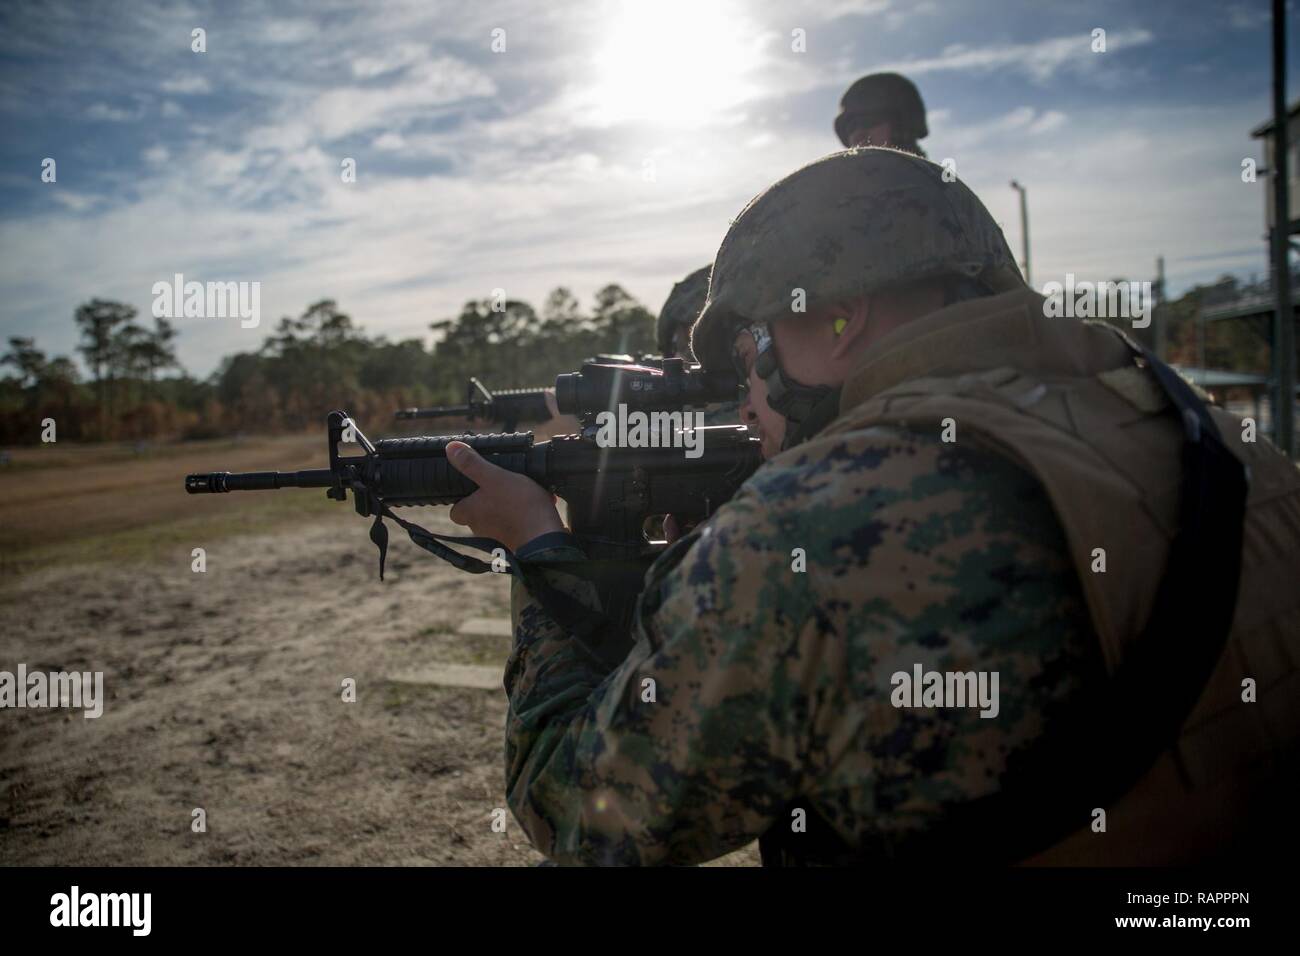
column 308, row 365
column 322, row 359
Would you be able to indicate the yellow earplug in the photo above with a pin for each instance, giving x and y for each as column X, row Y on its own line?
column 839, row 326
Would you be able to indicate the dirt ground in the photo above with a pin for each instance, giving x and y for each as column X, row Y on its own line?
column 224, row 688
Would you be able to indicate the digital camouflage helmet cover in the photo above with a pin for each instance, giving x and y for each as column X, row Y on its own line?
column 841, row 228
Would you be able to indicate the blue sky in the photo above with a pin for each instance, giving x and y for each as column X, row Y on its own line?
column 609, row 141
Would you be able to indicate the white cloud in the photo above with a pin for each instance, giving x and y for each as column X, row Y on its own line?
column 1007, row 127
column 1041, row 59
column 77, row 202
column 399, row 57
column 441, row 82
column 896, row 18
column 110, row 114
column 1100, row 208
column 515, row 193
column 221, row 167
column 1047, row 121
column 187, row 84
column 527, row 222
column 834, row 9
column 289, row 31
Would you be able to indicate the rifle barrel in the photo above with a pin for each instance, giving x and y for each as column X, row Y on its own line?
column 219, row 482
column 437, row 411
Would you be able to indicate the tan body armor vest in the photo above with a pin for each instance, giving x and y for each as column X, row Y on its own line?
column 1067, row 401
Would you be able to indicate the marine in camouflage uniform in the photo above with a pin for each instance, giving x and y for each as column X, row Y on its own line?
column 681, row 309
column 756, row 700
column 882, row 109
column 771, row 684
column 673, row 334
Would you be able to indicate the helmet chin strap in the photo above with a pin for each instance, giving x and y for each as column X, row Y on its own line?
column 824, row 411
column 807, row 409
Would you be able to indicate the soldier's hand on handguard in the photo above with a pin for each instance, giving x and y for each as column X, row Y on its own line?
column 507, row 507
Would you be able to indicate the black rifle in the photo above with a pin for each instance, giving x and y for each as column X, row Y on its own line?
column 510, row 407
column 515, row 406
column 648, row 384
column 611, row 491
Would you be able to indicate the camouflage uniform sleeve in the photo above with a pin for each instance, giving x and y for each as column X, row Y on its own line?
column 532, row 622
column 682, row 752
column 764, row 647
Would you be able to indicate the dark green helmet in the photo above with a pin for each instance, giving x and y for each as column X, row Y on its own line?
column 882, row 96
column 844, row 227
column 681, row 309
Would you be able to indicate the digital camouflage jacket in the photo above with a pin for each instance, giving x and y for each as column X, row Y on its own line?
column 758, row 691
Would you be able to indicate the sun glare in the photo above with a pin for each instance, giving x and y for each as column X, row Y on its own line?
column 672, row 63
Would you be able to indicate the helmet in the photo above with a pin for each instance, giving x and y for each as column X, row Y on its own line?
column 883, row 95
column 846, row 226
column 682, row 308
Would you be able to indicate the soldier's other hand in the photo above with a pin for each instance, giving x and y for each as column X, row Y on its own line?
column 510, row 508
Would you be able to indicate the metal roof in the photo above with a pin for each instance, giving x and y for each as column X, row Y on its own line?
column 1254, row 305
column 1219, row 377
column 1266, row 127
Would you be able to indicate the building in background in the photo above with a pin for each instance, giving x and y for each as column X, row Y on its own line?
column 1255, row 304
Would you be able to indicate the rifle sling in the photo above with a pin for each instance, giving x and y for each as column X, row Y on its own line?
column 584, row 624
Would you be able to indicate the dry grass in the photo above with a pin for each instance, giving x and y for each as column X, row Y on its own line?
column 223, row 687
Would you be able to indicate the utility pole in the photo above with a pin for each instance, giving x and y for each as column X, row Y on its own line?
column 1024, row 230
column 1200, row 338
column 1283, row 318
column 1161, row 314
